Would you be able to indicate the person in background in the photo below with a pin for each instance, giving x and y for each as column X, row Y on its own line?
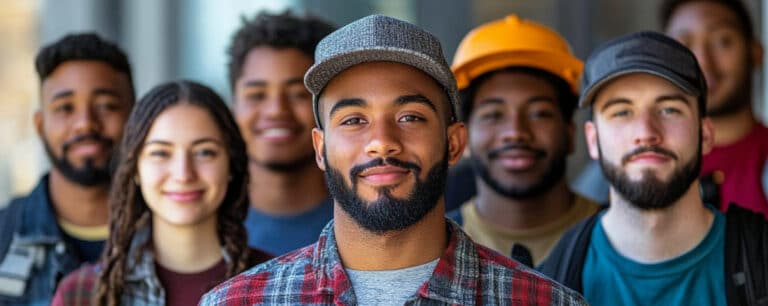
column 86, row 94
column 519, row 85
column 656, row 243
column 386, row 108
column 177, row 205
column 268, row 57
column 720, row 34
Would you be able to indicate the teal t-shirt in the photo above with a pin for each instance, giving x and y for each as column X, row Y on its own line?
column 694, row 278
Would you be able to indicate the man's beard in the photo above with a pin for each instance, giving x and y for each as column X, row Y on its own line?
column 89, row 174
column 286, row 166
column 736, row 100
column 552, row 174
column 650, row 193
column 388, row 213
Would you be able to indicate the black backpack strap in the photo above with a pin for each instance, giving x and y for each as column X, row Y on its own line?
column 565, row 264
column 746, row 250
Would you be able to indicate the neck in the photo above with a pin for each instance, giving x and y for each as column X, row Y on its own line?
column 523, row 213
column 650, row 236
column 186, row 249
column 733, row 127
column 418, row 244
column 79, row 205
column 274, row 192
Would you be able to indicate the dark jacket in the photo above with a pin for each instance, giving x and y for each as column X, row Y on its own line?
column 746, row 250
column 34, row 254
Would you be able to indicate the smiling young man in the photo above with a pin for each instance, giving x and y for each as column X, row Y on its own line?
column 518, row 98
column 386, row 106
column 657, row 243
column 268, row 57
column 720, row 34
column 86, row 95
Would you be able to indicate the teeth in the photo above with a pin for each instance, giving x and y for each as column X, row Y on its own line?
column 276, row 132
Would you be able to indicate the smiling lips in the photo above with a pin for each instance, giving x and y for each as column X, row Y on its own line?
column 517, row 160
column 383, row 175
column 649, row 158
column 277, row 133
column 87, row 148
column 184, row 196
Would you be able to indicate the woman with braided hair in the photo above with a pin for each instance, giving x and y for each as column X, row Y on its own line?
column 177, row 205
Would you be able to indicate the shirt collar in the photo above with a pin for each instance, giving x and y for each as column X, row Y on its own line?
column 454, row 281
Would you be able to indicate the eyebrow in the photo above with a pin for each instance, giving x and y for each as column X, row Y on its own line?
column 196, row 142
column 417, row 98
column 346, row 103
column 659, row 99
column 534, row 99
column 260, row 83
column 97, row 92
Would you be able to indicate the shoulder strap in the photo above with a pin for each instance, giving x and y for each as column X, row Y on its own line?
column 565, row 263
column 746, row 247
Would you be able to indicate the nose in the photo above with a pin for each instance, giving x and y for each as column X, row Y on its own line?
column 85, row 121
column 515, row 129
column 183, row 169
column 276, row 106
column 384, row 141
column 648, row 131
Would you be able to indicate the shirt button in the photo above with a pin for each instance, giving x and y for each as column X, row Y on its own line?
column 60, row 248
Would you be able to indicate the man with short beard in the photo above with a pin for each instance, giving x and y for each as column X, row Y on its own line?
column 86, row 95
column 720, row 34
column 386, row 105
column 268, row 57
column 656, row 243
column 518, row 98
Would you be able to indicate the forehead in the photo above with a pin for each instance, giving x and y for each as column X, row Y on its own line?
column 636, row 88
column 84, row 74
column 702, row 17
column 183, row 122
column 382, row 82
column 265, row 62
column 514, row 83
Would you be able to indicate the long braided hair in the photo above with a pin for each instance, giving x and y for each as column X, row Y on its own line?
column 128, row 210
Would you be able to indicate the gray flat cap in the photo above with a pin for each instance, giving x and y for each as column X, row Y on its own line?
column 646, row 52
column 379, row 38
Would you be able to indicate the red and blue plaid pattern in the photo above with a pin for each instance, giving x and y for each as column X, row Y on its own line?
column 466, row 274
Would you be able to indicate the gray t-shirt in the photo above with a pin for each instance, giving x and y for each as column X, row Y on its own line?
column 389, row 287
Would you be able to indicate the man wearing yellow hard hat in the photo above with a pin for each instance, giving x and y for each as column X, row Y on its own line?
column 519, row 84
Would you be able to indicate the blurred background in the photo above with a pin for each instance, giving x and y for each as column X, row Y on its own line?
column 173, row 39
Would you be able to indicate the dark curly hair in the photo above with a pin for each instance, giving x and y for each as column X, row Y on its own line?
column 566, row 98
column 128, row 210
column 83, row 46
column 668, row 7
column 280, row 31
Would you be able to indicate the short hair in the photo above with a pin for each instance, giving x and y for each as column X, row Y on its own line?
column 280, row 31
column 82, row 46
column 566, row 98
column 668, row 7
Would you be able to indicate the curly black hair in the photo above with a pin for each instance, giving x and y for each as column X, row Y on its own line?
column 82, row 46
column 668, row 7
column 566, row 98
column 281, row 31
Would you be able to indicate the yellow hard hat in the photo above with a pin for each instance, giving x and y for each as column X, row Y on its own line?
column 513, row 41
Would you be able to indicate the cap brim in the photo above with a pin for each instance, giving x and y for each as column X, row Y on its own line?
column 590, row 92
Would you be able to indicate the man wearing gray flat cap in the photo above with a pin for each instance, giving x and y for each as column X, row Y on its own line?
column 656, row 243
column 386, row 105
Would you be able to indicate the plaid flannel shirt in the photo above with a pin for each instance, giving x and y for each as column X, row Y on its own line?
column 466, row 274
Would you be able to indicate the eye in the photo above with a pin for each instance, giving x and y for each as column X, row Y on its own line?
column 299, row 95
column 410, row 118
column 542, row 114
column 619, row 113
column 353, row 121
column 110, row 106
column 63, row 108
column 670, row 111
column 256, row 97
column 206, row 153
column 158, row 153
column 490, row 116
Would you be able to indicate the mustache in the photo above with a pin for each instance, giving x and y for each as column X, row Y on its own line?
column 357, row 169
column 107, row 142
column 516, row 146
column 653, row 149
